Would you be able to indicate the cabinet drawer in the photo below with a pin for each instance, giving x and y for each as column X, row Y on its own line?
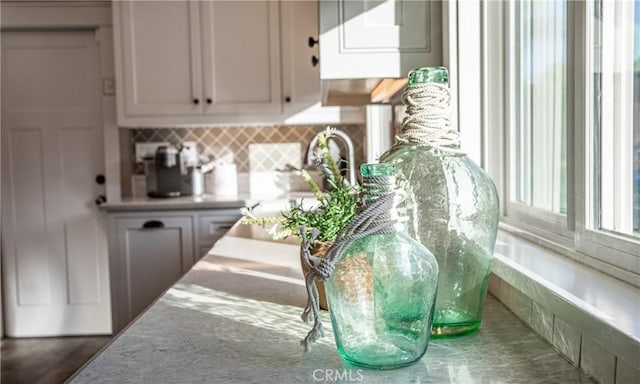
column 212, row 227
column 204, row 249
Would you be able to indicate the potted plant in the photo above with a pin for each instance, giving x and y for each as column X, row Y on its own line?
column 336, row 207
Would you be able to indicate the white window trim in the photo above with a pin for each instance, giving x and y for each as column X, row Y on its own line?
column 616, row 212
column 568, row 235
column 620, row 252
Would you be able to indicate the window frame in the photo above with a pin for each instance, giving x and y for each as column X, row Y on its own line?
column 570, row 234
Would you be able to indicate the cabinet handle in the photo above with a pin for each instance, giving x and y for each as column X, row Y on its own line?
column 287, row 99
column 314, row 60
column 152, row 224
column 313, row 42
column 100, row 200
column 209, row 101
column 196, row 101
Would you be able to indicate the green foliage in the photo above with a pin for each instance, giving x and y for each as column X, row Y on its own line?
column 337, row 206
column 336, row 209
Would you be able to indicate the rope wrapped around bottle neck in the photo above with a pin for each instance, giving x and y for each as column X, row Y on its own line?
column 428, row 117
column 373, row 217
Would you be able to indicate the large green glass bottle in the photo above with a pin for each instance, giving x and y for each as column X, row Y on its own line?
column 454, row 211
column 382, row 290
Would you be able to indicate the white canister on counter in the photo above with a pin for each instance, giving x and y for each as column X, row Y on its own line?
column 224, row 180
column 197, row 181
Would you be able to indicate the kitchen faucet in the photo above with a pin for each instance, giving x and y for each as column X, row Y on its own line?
column 334, row 133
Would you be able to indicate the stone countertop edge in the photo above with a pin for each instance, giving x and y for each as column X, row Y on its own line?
column 177, row 203
column 203, row 202
column 235, row 318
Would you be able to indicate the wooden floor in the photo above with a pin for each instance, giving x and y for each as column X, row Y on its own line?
column 45, row 360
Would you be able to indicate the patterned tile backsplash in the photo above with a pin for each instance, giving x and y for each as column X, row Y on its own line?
column 235, row 141
column 266, row 157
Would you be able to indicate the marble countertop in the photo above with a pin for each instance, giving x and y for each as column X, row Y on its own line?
column 235, row 318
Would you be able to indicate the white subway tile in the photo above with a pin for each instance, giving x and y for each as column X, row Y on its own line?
column 516, row 301
column 494, row 285
column 626, row 373
column 542, row 321
column 567, row 340
column 597, row 361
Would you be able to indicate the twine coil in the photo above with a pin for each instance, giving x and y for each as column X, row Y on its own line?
column 428, row 119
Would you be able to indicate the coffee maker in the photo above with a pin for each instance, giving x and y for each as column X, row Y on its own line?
column 165, row 173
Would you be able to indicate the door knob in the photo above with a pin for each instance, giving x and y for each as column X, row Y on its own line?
column 314, row 60
column 100, row 179
column 313, row 42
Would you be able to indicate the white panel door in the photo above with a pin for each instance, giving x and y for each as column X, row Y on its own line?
column 241, row 51
column 55, row 264
column 158, row 63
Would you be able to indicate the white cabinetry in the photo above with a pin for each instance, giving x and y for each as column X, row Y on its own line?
column 151, row 250
column 301, row 77
column 152, row 254
column 241, row 51
column 181, row 63
column 211, row 227
column 195, row 59
column 378, row 39
column 158, row 58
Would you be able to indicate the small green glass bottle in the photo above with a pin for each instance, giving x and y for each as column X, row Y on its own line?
column 454, row 211
column 382, row 290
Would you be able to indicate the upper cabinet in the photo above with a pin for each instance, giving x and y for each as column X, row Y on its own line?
column 378, row 39
column 158, row 58
column 217, row 62
column 375, row 40
column 179, row 58
column 241, row 51
column 301, row 82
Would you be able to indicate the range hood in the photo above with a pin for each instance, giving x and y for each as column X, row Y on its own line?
column 362, row 91
column 367, row 48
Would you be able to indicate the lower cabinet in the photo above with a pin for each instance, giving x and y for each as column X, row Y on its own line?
column 150, row 250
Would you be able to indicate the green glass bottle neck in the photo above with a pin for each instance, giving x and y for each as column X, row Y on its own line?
column 425, row 75
column 379, row 181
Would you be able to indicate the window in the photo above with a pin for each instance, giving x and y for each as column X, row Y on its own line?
column 616, row 124
column 572, row 128
column 539, row 135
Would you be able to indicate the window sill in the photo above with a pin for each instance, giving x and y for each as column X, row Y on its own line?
column 588, row 316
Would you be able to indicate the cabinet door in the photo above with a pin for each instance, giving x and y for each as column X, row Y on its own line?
column 300, row 78
column 153, row 253
column 212, row 226
column 158, row 60
column 241, row 48
column 373, row 39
